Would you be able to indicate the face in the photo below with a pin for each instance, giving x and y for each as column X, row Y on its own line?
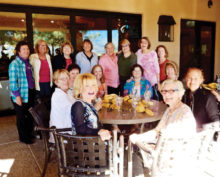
column 89, row 90
column 73, row 74
column 161, row 52
column 125, row 48
column 170, row 72
column 63, row 82
column 42, row 48
column 24, row 52
column 144, row 44
column 110, row 49
column 194, row 80
column 87, row 47
column 137, row 73
column 170, row 94
column 67, row 50
column 98, row 73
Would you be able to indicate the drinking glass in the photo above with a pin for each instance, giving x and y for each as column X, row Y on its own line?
column 147, row 95
column 134, row 104
column 119, row 101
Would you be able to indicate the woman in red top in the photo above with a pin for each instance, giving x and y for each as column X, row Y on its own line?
column 162, row 54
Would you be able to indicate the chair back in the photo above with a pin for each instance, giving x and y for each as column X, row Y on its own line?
column 87, row 155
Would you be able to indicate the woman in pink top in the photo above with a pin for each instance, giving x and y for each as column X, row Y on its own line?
column 42, row 69
column 149, row 61
column 109, row 63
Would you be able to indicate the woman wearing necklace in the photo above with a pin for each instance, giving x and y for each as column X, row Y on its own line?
column 86, row 59
column 177, row 121
column 83, row 114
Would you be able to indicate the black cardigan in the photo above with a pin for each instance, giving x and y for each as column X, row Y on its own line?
column 59, row 62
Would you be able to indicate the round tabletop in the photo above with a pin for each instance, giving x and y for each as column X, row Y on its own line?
column 116, row 118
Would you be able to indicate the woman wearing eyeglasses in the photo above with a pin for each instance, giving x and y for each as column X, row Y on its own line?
column 126, row 59
column 201, row 101
column 177, row 121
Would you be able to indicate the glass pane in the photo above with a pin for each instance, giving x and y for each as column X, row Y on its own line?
column 94, row 29
column 54, row 29
column 128, row 28
column 12, row 30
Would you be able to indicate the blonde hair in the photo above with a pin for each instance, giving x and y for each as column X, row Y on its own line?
column 176, row 83
column 174, row 65
column 58, row 72
column 124, row 42
column 64, row 44
column 80, row 81
column 36, row 48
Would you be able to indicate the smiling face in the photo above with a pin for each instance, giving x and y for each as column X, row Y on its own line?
column 98, row 73
column 125, row 48
column 89, row 90
column 170, row 72
column 87, row 47
column 73, row 74
column 63, row 82
column 110, row 49
column 24, row 52
column 137, row 73
column 144, row 44
column 194, row 79
column 67, row 50
column 42, row 48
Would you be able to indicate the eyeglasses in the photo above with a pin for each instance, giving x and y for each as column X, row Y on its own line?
column 63, row 79
column 126, row 45
column 169, row 91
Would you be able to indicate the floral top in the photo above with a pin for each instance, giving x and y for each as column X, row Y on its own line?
column 145, row 85
column 102, row 90
column 150, row 64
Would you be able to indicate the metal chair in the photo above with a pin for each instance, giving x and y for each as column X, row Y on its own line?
column 85, row 156
column 41, row 115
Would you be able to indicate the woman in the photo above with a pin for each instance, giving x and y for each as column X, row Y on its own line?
column 86, row 59
column 21, row 85
column 201, row 101
column 171, row 70
column 148, row 60
column 43, row 72
column 102, row 88
column 74, row 70
column 65, row 59
column 84, row 116
column 109, row 63
column 61, row 102
column 126, row 59
column 162, row 54
column 138, row 82
column 177, row 121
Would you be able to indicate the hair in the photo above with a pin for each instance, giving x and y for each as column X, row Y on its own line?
column 88, row 41
column 108, row 44
column 195, row 69
column 137, row 66
column 36, row 48
column 124, row 42
column 73, row 66
column 64, row 44
column 147, row 39
column 102, row 80
column 177, row 84
column 58, row 72
column 80, row 81
column 166, row 51
column 18, row 46
column 174, row 65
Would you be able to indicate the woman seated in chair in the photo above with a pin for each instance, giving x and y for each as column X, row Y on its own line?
column 84, row 115
column 61, row 101
column 177, row 121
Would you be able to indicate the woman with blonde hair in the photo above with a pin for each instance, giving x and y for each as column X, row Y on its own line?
column 171, row 70
column 42, row 67
column 126, row 59
column 84, row 116
column 65, row 59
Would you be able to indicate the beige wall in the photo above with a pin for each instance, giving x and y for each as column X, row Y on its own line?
column 150, row 10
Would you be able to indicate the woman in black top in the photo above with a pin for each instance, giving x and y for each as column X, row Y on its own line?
column 83, row 114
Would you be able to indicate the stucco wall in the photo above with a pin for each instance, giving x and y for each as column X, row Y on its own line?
column 150, row 10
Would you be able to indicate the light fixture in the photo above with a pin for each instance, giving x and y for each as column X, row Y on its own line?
column 210, row 3
column 52, row 21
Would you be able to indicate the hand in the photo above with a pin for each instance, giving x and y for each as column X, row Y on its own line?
column 19, row 101
column 98, row 105
column 104, row 134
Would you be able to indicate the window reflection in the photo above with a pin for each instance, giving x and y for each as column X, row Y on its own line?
column 54, row 29
column 12, row 30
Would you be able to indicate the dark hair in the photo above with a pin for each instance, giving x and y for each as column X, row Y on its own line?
column 87, row 40
column 73, row 66
column 18, row 46
column 137, row 66
column 162, row 46
column 147, row 39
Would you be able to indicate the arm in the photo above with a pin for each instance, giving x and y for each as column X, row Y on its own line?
column 77, row 115
column 212, row 108
column 127, row 88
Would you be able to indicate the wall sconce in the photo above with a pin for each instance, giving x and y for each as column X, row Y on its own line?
column 210, row 3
